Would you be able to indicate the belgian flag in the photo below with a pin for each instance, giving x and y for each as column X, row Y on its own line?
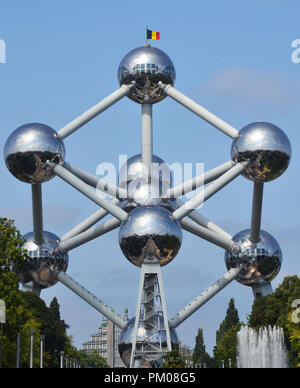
column 153, row 35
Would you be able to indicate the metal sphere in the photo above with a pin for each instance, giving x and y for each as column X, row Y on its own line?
column 142, row 193
column 259, row 262
column 149, row 339
column 29, row 148
column 134, row 168
column 150, row 233
column 146, row 66
column 267, row 149
column 42, row 262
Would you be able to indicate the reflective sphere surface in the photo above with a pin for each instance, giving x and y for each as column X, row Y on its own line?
column 149, row 339
column 147, row 66
column 134, row 168
column 258, row 261
column 266, row 148
column 142, row 193
column 150, row 232
column 38, row 269
column 29, row 148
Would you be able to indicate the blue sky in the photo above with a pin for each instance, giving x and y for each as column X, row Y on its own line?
column 232, row 57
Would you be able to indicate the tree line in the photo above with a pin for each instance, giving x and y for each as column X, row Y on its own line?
column 272, row 310
column 26, row 311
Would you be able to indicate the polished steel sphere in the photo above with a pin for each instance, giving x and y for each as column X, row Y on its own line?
column 134, row 168
column 150, row 233
column 142, row 193
column 265, row 147
column 146, row 66
column 29, row 148
column 41, row 263
column 147, row 338
column 259, row 262
column 139, row 191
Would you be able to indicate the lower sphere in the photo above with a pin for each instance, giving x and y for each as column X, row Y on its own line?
column 42, row 263
column 259, row 262
column 147, row 339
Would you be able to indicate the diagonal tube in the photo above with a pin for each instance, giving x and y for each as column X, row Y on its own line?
column 195, row 183
column 209, row 191
column 37, row 213
column 258, row 190
column 87, row 223
column 86, row 190
column 92, row 300
column 187, row 311
column 200, row 111
column 207, row 234
column 94, row 181
column 88, row 235
column 87, row 116
column 206, row 223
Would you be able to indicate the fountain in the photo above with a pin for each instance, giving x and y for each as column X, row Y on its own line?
column 262, row 349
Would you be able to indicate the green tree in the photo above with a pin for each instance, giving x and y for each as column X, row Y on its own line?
column 200, row 356
column 93, row 360
column 18, row 317
column 232, row 319
column 226, row 337
column 226, row 350
column 275, row 310
column 55, row 309
column 173, row 359
column 51, row 326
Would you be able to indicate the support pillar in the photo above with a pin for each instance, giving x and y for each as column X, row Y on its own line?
column 151, row 336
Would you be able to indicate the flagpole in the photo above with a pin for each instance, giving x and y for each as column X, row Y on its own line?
column 147, row 35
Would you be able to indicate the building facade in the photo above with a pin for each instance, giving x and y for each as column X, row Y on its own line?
column 105, row 343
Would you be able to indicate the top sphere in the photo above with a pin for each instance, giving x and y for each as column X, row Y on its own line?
column 267, row 149
column 147, row 66
column 29, row 148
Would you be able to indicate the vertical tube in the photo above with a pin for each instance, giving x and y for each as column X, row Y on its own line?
column 18, row 351
column 147, row 143
column 42, row 339
column 37, row 213
column 61, row 359
column 32, row 332
column 113, row 352
column 1, row 345
column 258, row 190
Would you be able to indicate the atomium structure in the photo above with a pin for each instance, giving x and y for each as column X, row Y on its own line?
column 150, row 225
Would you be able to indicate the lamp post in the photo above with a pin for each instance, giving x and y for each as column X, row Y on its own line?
column 62, row 359
column 2, row 321
column 42, row 343
column 18, row 351
column 32, row 333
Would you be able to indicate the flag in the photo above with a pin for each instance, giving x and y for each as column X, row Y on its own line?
column 153, row 35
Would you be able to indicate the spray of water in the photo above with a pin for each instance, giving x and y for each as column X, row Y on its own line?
column 262, row 349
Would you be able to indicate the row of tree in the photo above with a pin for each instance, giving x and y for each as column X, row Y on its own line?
column 26, row 311
column 277, row 309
